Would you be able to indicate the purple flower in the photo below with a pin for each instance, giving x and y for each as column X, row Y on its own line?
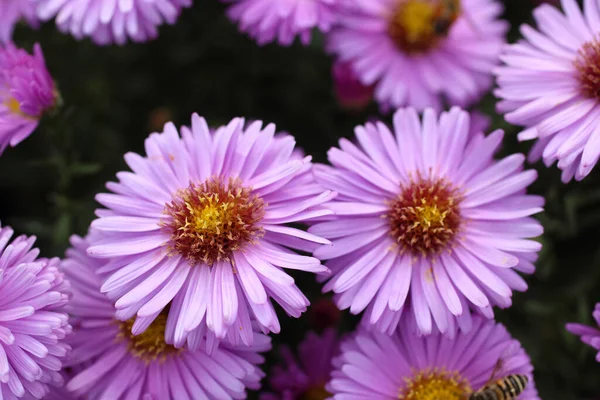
column 305, row 377
column 351, row 94
column 11, row 12
column 112, row 21
column 282, row 20
column 427, row 221
column 27, row 91
column 201, row 221
column 589, row 335
column 421, row 52
column 32, row 322
column 551, row 86
column 113, row 363
column 407, row 366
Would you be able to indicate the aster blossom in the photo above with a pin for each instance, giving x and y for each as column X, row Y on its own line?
column 550, row 84
column 407, row 366
column 304, row 377
column 200, row 223
column 426, row 222
column 421, row 53
column 11, row 12
column 111, row 21
column 282, row 20
column 112, row 363
column 27, row 91
column 33, row 323
column 589, row 335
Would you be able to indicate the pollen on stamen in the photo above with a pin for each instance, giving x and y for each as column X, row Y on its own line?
column 209, row 221
column 587, row 64
column 149, row 345
column 435, row 384
column 425, row 218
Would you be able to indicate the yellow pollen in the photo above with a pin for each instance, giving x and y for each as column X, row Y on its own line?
column 14, row 107
column 149, row 345
column 316, row 393
column 436, row 384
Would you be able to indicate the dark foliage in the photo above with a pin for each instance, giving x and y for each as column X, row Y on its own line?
column 115, row 96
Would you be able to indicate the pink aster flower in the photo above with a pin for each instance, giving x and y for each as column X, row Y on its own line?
column 27, row 91
column 11, row 12
column 589, row 335
column 427, row 221
column 421, row 53
column 407, row 366
column 200, row 223
column 112, row 21
column 551, row 86
column 350, row 93
column 282, row 20
column 305, row 377
column 113, row 363
column 32, row 322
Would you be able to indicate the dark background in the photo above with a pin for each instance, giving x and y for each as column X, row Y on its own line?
column 115, row 96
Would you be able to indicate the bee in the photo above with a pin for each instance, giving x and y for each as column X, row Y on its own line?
column 446, row 12
column 507, row 388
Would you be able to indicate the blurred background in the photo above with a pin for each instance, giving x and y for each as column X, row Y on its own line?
column 115, row 96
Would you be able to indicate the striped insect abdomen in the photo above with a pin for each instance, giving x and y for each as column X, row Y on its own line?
column 504, row 389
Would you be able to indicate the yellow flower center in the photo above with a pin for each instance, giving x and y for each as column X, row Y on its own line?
column 425, row 217
column 208, row 222
column 435, row 385
column 418, row 25
column 149, row 345
column 316, row 393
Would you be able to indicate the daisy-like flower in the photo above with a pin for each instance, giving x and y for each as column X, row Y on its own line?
column 11, row 12
column 427, row 221
column 351, row 94
column 200, row 223
column 112, row 21
column 589, row 335
column 113, row 363
column 27, row 91
column 305, row 377
column 406, row 366
column 551, row 86
column 282, row 20
column 421, row 53
column 32, row 322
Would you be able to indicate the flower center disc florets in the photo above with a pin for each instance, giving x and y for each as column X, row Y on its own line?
column 208, row 222
column 149, row 345
column 435, row 385
column 316, row 392
column 425, row 217
column 588, row 67
column 418, row 25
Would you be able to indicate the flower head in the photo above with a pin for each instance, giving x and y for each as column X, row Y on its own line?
column 421, row 53
column 282, row 20
column 589, row 335
column 550, row 84
column 11, row 12
column 305, row 377
column 408, row 366
column 27, row 91
column 200, row 224
column 427, row 221
column 350, row 93
column 112, row 362
column 110, row 21
column 32, row 321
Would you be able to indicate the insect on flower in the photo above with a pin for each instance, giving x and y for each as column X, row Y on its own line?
column 507, row 388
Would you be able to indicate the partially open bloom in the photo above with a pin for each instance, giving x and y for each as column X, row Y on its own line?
column 427, row 221
column 113, row 363
column 589, row 335
column 201, row 221
column 282, row 20
column 350, row 92
column 421, row 53
column 551, row 86
column 33, row 323
column 406, row 366
column 27, row 91
column 13, row 11
column 112, row 21
column 304, row 377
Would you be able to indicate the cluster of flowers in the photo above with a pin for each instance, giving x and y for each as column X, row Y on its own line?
column 416, row 226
